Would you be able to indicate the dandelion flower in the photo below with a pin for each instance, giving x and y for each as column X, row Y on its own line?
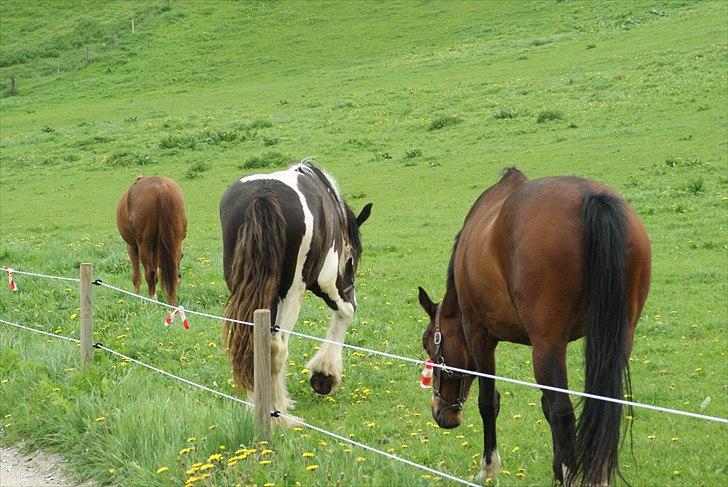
column 101, row 418
column 312, row 467
column 264, row 462
column 266, row 452
column 360, row 459
column 162, row 469
column 307, row 454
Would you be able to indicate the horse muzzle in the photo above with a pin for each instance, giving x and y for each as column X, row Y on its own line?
column 444, row 417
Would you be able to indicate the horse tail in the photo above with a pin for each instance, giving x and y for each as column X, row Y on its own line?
column 167, row 248
column 598, row 428
column 254, row 279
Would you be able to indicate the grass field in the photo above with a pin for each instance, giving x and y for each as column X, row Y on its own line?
column 414, row 106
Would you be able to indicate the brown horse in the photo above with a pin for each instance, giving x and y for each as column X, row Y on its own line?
column 543, row 263
column 151, row 219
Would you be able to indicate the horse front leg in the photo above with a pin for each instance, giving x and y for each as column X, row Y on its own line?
column 489, row 407
column 327, row 365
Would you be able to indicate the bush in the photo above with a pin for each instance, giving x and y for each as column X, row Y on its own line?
column 694, row 186
column 124, row 158
column 548, row 115
column 269, row 159
column 269, row 141
column 442, row 122
column 412, row 152
column 196, row 170
column 504, row 113
column 178, row 142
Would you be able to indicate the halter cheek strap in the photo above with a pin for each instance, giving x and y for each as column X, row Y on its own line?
column 439, row 358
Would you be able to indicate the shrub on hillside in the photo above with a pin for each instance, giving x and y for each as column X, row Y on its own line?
column 444, row 121
column 269, row 159
column 504, row 113
column 548, row 116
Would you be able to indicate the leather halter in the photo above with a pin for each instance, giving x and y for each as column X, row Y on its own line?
column 439, row 358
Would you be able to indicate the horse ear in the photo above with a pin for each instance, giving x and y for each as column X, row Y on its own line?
column 364, row 214
column 427, row 303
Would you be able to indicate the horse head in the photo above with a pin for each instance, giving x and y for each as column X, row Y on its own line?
column 353, row 249
column 444, row 342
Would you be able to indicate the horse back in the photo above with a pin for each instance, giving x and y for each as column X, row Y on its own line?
column 528, row 247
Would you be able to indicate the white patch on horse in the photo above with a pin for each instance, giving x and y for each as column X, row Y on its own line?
column 328, row 359
column 492, row 470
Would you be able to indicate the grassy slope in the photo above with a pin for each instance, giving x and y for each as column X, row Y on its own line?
column 641, row 87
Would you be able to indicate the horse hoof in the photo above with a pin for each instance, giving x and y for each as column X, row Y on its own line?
column 322, row 383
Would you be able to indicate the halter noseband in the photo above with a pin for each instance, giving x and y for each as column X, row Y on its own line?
column 439, row 358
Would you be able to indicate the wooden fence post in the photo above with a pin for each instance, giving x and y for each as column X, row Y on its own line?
column 87, row 356
column 133, row 29
column 262, row 375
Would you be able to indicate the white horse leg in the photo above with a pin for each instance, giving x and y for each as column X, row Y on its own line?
column 327, row 365
column 489, row 470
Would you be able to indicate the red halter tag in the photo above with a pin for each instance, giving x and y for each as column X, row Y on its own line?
column 426, row 374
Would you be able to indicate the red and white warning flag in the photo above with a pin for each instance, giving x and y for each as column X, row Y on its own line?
column 426, row 375
column 11, row 281
column 179, row 310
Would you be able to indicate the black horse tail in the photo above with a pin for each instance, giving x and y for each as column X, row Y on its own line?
column 254, row 280
column 598, row 428
column 167, row 246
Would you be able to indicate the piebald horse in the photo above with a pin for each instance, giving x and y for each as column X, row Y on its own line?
column 543, row 263
column 151, row 219
column 283, row 233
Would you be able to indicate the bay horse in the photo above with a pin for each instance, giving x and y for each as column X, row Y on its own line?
column 283, row 233
column 151, row 219
column 543, row 263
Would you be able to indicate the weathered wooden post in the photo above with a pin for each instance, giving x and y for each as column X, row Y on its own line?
column 12, row 85
column 87, row 356
column 133, row 29
column 261, row 374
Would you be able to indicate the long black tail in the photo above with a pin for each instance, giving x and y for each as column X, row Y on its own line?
column 254, row 280
column 598, row 428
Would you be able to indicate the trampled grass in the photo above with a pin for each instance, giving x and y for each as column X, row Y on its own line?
column 415, row 107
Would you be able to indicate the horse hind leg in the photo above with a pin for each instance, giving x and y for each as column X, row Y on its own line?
column 150, row 270
column 549, row 365
column 136, row 277
column 286, row 316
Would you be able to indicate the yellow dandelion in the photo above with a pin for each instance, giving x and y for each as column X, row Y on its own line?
column 676, row 472
column 185, row 451
column 207, row 466
column 312, row 467
column 360, row 459
column 191, row 439
column 264, row 462
column 162, row 469
column 297, row 428
column 515, row 449
column 268, row 484
column 211, row 427
column 100, row 418
column 222, row 447
column 266, row 452
column 307, row 454
column 191, row 471
column 112, row 471
column 232, row 463
column 214, row 458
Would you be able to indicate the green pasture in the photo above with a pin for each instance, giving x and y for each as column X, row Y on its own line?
column 414, row 106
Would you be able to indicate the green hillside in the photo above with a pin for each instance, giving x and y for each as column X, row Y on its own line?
column 414, row 106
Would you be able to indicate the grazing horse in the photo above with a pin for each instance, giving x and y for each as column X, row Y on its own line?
column 543, row 263
column 151, row 220
column 283, row 233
